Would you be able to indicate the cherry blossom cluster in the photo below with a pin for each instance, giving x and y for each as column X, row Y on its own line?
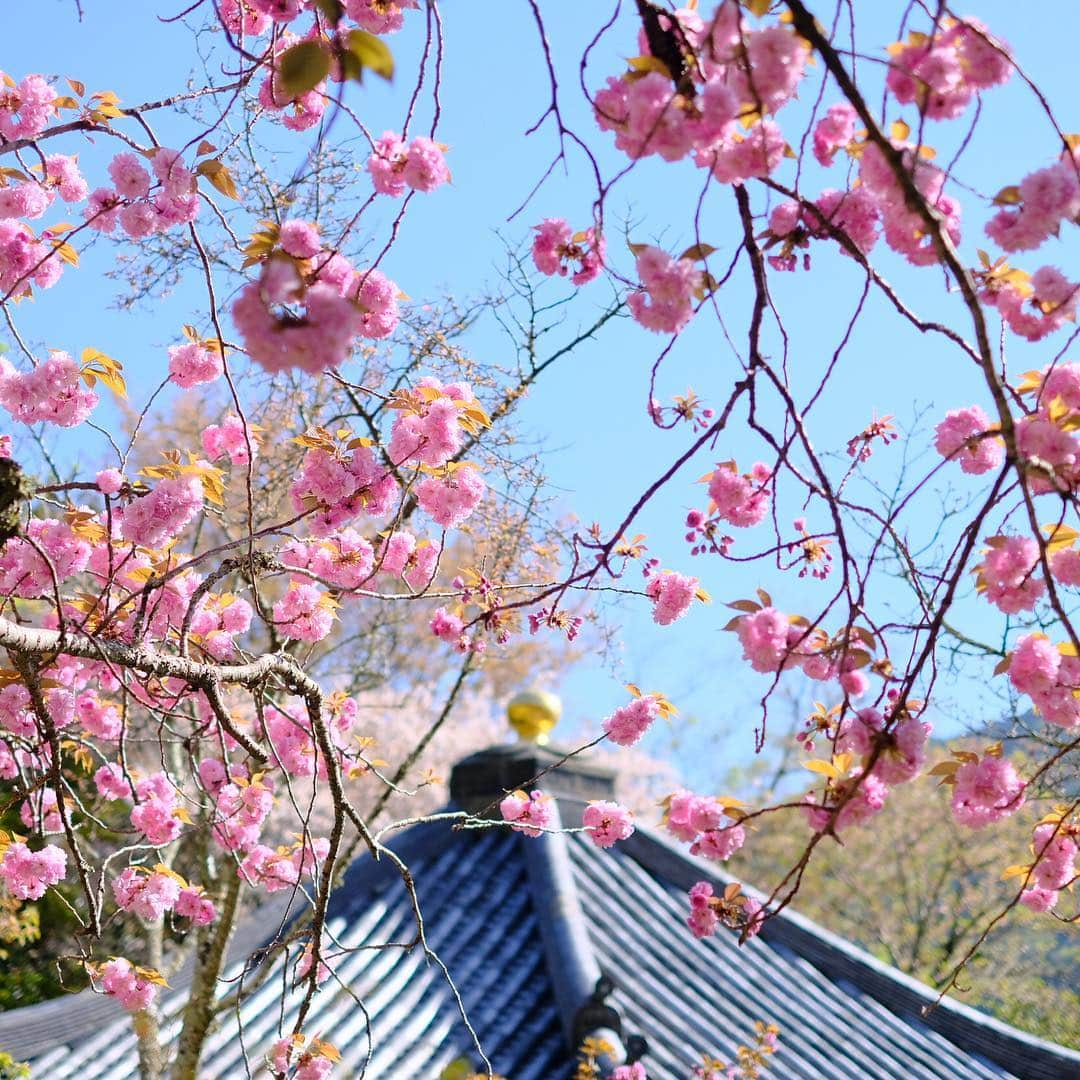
column 155, row 811
column 628, row 723
column 295, row 1057
column 257, row 17
column 429, row 428
column 853, row 214
column 942, row 74
column 984, row 790
column 740, row 499
column 728, row 73
column 1045, row 437
column 309, row 305
column 834, row 131
column 870, row 754
column 339, row 484
column 284, row 867
column 606, row 823
column 1055, row 849
column 396, row 166
column 26, row 106
column 528, row 812
column 557, row 249
column 1035, row 209
column 1007, row 576
column 665, row 300
column 904, row 228
column 450, row 497
column 968, row 437
column 143, row 205
column 710, row 826
column 733, row 909
column 671, row 594
column 27, row 874
column 1050, row 676
column 195, row 363
column 49, row 552
column 1032, row 306
column 151, row 893
column 231, row 439
column 52, row 392
column 32, row 197
column 133, row 987
column 25, row 258
column 241, row 803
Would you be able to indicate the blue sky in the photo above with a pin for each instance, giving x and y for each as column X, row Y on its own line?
column 590, row 411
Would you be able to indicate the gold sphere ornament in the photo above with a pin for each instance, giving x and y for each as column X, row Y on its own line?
column 533, row 714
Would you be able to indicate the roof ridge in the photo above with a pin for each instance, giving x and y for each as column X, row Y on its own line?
column 579, row 984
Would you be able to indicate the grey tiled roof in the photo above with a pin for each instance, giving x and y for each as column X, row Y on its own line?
column 525, row 926
column 692, row 996
column 479, row 920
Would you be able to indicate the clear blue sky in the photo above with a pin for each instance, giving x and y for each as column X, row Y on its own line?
column 591, row 411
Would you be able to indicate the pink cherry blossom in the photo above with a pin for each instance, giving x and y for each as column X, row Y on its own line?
column 26, row 106
column 764, row 635
column 741, row 499
column 528, row 813
column 379, row 16
column 148, row 895
column 52, row 391
column 834, row 131
column 965, row 436
column 986, row 791
column 606, row 823
column 1007, row 575
column 304, row 613
column 703, row 920
column 1034, row 664
column 451, row 501
column 120, row 980
column 193, row 904
column 27, row 874
column 299, row 239
column 665, row 301
column 152, row 519
column 671, row 594
column 628, row 723
column 556, row 249
column 193, row 364
column 232, row 438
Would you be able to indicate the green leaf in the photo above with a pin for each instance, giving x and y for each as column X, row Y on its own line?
column 458, row 1069
column 698, row 251
column 332, row 10
column 372, row 53
column 302, row 67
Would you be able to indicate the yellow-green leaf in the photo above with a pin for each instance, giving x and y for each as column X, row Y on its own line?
column 1015, row 871
column 97, row 367
column 302, row 67
column 372, row 53
column 219, row 176
column 825, row 768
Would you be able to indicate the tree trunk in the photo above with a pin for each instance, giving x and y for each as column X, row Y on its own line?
column 199, row 1012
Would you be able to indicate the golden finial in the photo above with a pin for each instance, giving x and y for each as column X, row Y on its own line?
column 533, row 714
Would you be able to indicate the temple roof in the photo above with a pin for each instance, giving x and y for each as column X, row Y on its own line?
column 525, row 928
